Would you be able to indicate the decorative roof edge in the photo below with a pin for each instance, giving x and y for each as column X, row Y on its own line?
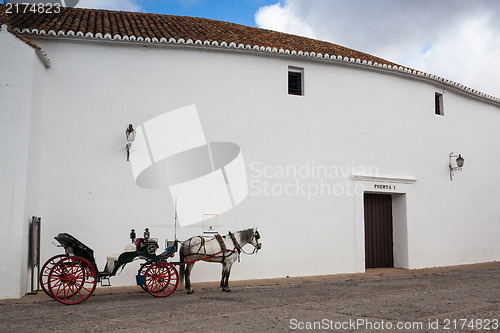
column 42, row 55
column 356, row 61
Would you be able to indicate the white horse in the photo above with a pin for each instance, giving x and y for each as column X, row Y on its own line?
column 226, row 251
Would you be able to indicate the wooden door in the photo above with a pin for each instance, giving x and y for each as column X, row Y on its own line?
column 378, row 230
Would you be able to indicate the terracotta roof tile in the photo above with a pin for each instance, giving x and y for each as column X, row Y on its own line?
column 25, row 40
column 157, row 26
column 96, row 23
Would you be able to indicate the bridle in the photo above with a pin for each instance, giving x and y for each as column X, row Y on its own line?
column 256, row 235
column 256, row 247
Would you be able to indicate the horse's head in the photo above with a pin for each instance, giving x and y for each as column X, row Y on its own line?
column 255, row 240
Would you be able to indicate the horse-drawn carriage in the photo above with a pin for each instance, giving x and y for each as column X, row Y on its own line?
column 72, row 277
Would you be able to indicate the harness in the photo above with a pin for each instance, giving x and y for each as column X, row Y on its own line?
column 236, row 244
column 222, row 245
column 221, row 242
column 224, row 250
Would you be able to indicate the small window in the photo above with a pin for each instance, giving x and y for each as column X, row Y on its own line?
column 295, row 81
column 438, row 104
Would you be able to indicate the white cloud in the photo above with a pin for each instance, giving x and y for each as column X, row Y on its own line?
column 126, row 5
column 458, row 40
column 469, row 55
column 278, row 18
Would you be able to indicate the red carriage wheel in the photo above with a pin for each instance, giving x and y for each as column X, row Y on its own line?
column 161, row 279
column 72, row 280
column 45, row 271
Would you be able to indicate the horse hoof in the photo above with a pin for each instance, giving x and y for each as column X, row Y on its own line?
column 190, row 291
column 227, row 290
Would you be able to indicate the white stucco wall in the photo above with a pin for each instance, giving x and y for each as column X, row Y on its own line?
column 350, row 121
column 21, row 86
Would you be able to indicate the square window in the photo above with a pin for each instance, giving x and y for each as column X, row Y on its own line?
column 295, row 81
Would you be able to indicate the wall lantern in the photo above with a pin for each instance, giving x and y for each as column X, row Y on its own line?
column 132, row 235
column 459, row 163
column 130, row 134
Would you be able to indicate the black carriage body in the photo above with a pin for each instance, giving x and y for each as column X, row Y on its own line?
column 145, row 250
column 73, row 246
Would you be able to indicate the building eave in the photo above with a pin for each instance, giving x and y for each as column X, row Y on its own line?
column 42, row 55
column 257, row 49
column 180, row 31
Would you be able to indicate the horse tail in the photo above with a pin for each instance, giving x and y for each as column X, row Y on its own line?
column 181, row 266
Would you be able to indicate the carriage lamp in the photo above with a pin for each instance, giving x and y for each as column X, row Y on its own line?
column 132, row 235
column 130, row 134
column 459, row 163
column 146, row 234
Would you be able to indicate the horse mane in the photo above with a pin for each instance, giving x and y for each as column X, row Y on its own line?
column 246, row 235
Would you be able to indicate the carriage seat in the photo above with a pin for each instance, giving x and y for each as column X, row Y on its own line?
column 112, row 258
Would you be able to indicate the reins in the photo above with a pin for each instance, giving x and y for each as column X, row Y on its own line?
column 209, row 256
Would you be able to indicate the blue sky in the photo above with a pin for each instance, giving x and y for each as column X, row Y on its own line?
column 235, row 11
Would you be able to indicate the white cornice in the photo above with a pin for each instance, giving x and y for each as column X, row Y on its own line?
column 399, row 70
column 379, row 179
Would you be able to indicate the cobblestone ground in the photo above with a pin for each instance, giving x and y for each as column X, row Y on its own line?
column 452, row 299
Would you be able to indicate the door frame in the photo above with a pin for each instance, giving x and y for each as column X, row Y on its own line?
column 400, row 190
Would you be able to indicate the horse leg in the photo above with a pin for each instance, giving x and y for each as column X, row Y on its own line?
column 224, row 282
column 187, row 277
